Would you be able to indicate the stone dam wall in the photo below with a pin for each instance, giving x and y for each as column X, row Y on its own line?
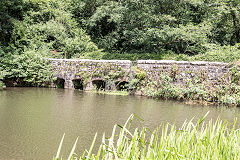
column 86, row 73
column 112, row 74
column 212, row 71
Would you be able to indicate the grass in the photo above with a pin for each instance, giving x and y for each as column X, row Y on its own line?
column 201, row 140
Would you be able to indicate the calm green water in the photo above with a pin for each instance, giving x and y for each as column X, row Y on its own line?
column 33, row 120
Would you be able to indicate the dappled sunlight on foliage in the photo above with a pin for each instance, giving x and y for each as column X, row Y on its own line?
column 127, row 29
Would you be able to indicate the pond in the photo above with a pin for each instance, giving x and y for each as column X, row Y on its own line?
column 33, row 120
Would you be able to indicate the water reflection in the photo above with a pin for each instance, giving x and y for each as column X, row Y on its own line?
column 32, row 120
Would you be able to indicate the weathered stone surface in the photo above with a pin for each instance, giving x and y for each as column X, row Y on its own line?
column 70, row 69
column 85, row 69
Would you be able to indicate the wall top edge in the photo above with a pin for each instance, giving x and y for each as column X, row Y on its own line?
column 143, row 61
column 90, row 60
column 178, row 62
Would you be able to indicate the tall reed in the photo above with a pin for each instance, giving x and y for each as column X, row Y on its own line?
column 201, row 140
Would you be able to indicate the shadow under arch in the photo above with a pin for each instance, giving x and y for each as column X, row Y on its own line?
column 78, row 84
column 60, row 83
column 99, row 84
column 121, row 85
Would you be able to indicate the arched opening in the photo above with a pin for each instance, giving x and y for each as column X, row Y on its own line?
column 78, row 84
column 60, row 83
column 121, row 85
column 99, row 84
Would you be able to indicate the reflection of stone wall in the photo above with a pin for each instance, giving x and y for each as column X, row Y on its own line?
column 112, row 71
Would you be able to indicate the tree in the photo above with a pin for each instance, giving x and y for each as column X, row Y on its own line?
column 9, row 11
column 49, row 25
column 148, row 26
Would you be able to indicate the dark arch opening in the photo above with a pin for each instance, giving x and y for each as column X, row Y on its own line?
column 121, row 85
column 60, row 83
column 99, row 84
column 78, row 84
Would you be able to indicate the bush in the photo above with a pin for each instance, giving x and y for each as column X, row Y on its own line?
column 49, row 24
column 219, row 54
column 32, row 68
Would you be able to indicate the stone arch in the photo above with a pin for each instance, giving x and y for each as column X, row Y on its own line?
column 99, row 84
column 121, row 85
column 78, row 84
column 60, row 83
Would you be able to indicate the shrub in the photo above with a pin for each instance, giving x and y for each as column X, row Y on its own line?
column 30, row 67
column 219, row 54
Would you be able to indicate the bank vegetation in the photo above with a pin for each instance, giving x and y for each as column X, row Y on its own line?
column 195, row 87
column 33, row 30
column 201, row 140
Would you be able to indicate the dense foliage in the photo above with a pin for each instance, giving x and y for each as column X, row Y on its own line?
column 115, row 29
column 187, row 27
column 44, row 29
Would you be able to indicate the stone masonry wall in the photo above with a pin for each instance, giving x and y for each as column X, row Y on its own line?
column 120, row 70
column 213, row 71
column 89, row 70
